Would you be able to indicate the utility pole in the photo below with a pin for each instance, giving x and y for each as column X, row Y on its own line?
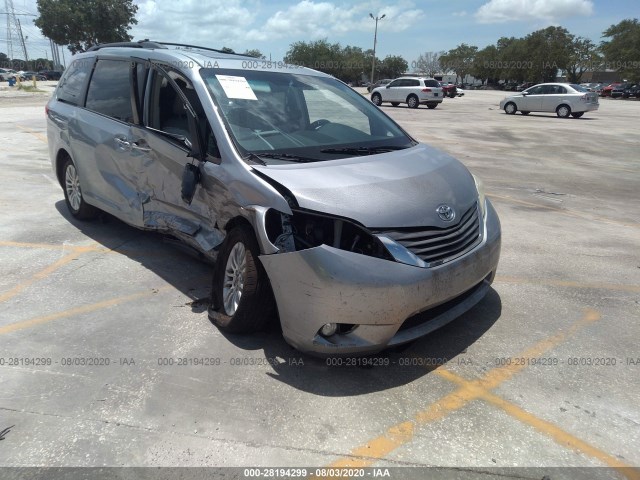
column 14, row 32
column 375, row 40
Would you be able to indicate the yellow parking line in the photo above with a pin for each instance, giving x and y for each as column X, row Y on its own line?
column 570, row 213
column 39, row 276
column 563, row 438
column 38, row 135
column 402, row 433
column 78, row 310
column 569, row 283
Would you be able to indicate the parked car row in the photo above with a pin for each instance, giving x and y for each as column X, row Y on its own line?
column 7, row 74
column 565, row 99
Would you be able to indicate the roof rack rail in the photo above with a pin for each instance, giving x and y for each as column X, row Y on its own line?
column 201, row 48
column 139, row 44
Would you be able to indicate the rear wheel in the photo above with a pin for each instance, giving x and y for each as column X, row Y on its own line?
column 525, row 113
column 577, row 114
column 510, row 108
column 376, row 99
column 241, row 294
column 432, row 105
column 412, row 101
column 73, row 193
column 563, row 111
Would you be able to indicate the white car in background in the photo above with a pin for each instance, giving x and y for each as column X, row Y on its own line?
column 413, row 91
column 565, row 99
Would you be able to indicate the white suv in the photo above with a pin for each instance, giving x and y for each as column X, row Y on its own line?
column 410, row 90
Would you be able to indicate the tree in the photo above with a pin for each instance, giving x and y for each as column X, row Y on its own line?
column 548, row 50
column 392, row 66
column 428, row 63
column 621, row 50
column 486, row 65
column 583, row 56
column 254, row 53
column 347, row 64
column 227, row 50
column 81, row 24
column 459, row 60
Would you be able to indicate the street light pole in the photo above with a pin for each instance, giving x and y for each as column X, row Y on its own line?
column 375, row 40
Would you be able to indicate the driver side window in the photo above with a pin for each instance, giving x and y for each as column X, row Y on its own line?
column 168, row 112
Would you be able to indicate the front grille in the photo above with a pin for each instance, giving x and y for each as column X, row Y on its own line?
column 438, row 245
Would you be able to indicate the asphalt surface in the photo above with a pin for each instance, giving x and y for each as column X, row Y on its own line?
column 107, row 357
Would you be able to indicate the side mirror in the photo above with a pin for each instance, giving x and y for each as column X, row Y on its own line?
column 190, row 180
column 388, row 85
column 525, row 93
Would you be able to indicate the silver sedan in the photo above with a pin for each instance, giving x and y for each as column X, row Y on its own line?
column 565, row 99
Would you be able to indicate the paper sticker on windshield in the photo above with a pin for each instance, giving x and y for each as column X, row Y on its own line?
column 236, row 87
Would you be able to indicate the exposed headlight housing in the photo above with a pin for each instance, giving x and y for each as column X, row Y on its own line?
column 305, row 229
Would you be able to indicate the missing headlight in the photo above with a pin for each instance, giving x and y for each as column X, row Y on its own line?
column 304, row 230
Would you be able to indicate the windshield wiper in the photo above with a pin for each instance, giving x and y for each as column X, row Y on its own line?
column 286, row 156
column 363, row 150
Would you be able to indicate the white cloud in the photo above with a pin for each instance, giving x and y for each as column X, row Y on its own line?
column 501, row 11
column 313, row 20
column 462, row 13
column 197, row 22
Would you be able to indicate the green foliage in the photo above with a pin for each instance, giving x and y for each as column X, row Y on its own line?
column 584, row 56
column 622, row 50
column 346, row 63
column 255, row 53
column 392, row 66
column 227, row 50
column 459, row 60
column 81, row 24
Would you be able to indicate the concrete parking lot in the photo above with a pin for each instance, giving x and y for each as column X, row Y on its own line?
column 107, row 357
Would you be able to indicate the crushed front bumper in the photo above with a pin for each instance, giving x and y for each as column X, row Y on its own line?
column 327, row 285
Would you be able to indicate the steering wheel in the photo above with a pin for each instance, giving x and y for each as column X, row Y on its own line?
column 318, row 124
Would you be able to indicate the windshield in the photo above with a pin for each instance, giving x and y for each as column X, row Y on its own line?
column 291, row 117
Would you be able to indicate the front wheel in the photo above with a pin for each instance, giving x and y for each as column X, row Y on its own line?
column 432, row 105
column 577, row 114
column 510, row 108
column 563, row 111
column 73, row 193
column 412, row 101
column 376, row 99
column 241, row 294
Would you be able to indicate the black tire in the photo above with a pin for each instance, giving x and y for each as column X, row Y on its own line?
column 563, row 111
column 510, row 108
column 525, row 113
column 73, row 193
column 376, row 99
column 432, row 105
column 256, row 303
column 395, row 104
column 452, row 95
column 577, row 114
column 412, row 101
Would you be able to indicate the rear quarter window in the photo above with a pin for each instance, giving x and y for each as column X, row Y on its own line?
column 110, row 90
column 72, row 85
column 431, row 83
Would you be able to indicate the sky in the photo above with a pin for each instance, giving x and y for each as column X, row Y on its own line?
column 409, row 28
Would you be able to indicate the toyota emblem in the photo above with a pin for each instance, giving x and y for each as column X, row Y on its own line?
column 446, row 213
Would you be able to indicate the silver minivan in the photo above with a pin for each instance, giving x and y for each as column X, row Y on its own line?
column 314, row 205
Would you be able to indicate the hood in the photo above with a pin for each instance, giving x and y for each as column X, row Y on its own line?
column 397, row 189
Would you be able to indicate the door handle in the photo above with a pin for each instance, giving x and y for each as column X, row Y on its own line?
column 122, row 143
column 141, row 146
